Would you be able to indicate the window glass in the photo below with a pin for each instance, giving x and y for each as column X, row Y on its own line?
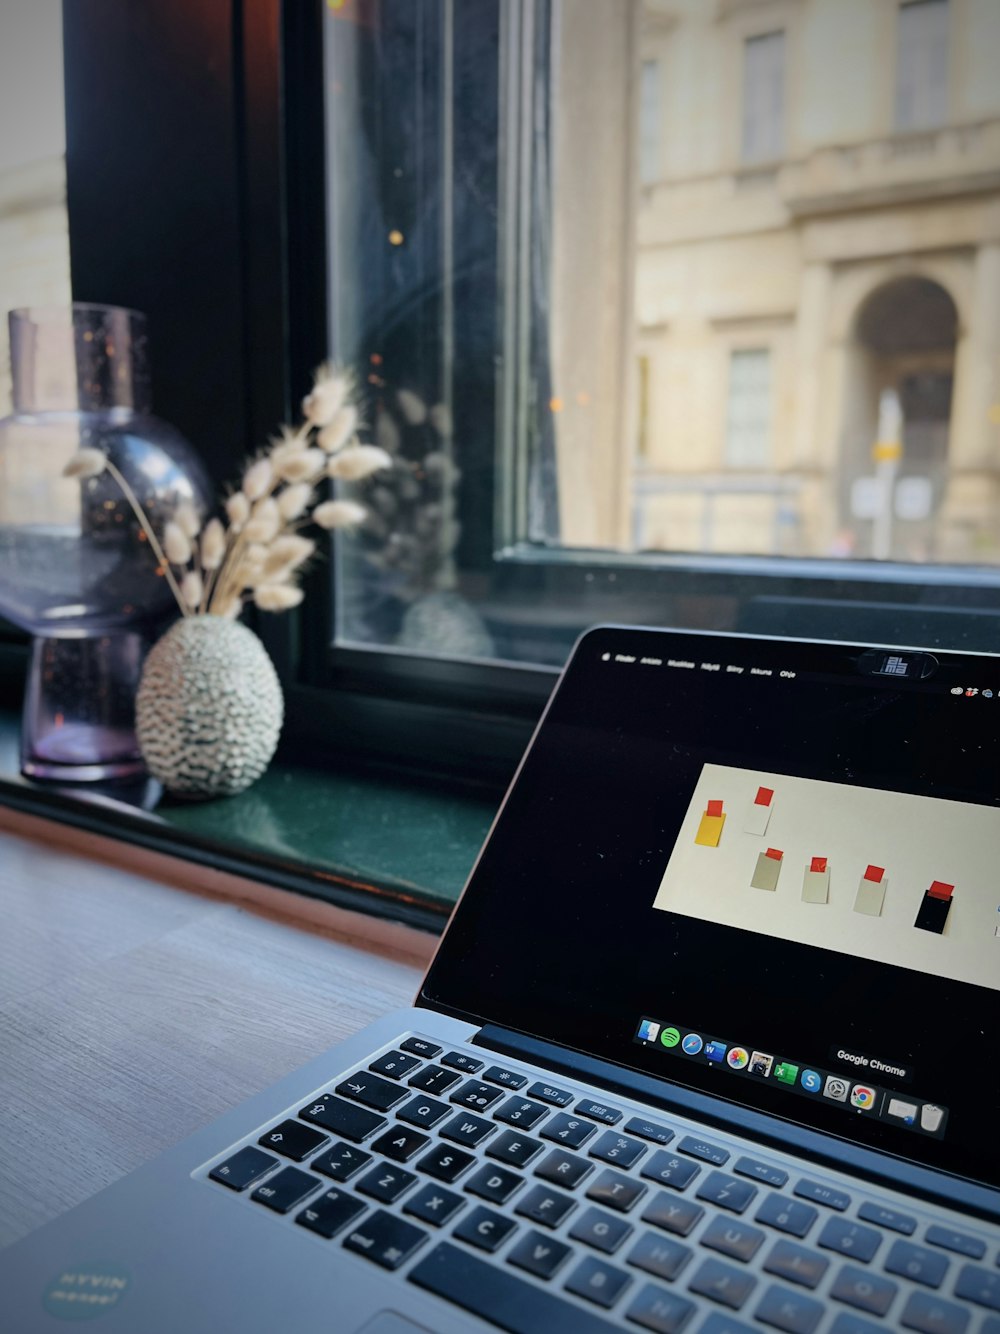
column 767, row 372
column 922, row 65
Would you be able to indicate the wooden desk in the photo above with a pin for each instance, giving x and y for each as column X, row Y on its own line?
column 141, row 996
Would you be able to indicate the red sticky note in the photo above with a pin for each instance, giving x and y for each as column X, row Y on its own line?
column 818, row 864
column 714, row 808
column 875, row 873
column 939, row 890
column 776, row 853
column 763, row 797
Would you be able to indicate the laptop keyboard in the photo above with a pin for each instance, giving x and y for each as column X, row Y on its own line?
column 543, row 1210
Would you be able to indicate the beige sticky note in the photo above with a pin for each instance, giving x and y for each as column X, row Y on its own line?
column 767, row 870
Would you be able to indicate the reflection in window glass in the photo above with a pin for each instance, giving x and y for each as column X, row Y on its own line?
column 922, row 65
column 570, row 353
column 764, row 97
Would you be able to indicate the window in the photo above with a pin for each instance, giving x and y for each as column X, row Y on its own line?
column 922, row 65
column 650, row 122
column 764, row 98
column 748, row 424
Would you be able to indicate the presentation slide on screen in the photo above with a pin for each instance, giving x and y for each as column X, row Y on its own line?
column 912, row 881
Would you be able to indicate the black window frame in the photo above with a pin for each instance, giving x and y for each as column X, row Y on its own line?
column 180, row 112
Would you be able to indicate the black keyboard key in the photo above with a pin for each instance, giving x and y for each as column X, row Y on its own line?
column 493, row 1183
column 432, row 1079
column 400, row 1143
column 484, row 1289
column 331, row 1213
column 544, row 1205
column 796, row 1263
column 786, row 1215
column 717, row 1323
column 293, row 1140
column 485, row 1229
column 341, row 1162
column 726, row 1192
column 974, row 1248
column 820, row 1194
column 739, row 1241
column 850, row 1239
column 385, row 1240
column 520, row 1112
column 598, row 1111
column 565, row 1169
column 703, row 1149
column 478, row 1097
column 342, row 1118
column 597, row 1282
column 459, row 1061
column 420, row 1047
column 285, row 1189
column 916, row 1263
column 568, row 1130
column 507, row 1079
column 864, row 1290
column 394, row 1065
column 616, row 1191
column 668, row 1170
column 539, row 1255
column 514, row 1148
column 385, row 1183
column 371, row 1090
column 424, row 1112
column 979, row 1286
column 602, row 1231
column 722, row 1283
column 549, row 1093
column 467, row 1129
column 849, row 1323
column 677, row 1216
column 661, row 1311
column 617, row 1149
column 434, row 1205
column 931, row 1315
column 758, row 1171
column 890, row 1218
column 244, row 1168
column 654, row 1131
column 444, row 1163
column 790, row 1311
column 659, row 1256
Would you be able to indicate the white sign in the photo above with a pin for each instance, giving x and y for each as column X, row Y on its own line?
column 866, row 497
column 914, row 498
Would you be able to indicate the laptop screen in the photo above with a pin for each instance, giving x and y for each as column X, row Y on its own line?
column 763, row 869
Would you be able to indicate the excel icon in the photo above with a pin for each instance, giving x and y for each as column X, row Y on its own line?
column 787, row 1073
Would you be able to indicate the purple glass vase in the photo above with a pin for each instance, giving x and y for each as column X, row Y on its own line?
column 76, row 569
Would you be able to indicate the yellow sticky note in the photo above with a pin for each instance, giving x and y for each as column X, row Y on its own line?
column 710, row 830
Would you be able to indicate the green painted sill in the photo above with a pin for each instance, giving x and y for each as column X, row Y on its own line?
column 397, row 846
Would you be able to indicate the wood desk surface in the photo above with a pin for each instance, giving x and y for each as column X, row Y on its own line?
column 136, row 1007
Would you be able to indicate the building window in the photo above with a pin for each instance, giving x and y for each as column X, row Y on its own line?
column 748, row 419
column 764, row 98
column 650, row 113
column 922, row 65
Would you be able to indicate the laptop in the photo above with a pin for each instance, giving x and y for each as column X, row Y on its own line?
column 710, row 1043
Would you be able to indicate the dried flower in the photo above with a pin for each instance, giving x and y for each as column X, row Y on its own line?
column 238, row 509
column 277, row 597
column 186, row 518
column 440, row 418
column 293, row 500
column 330, row 389
column 257, row 478
column 213, row 545
column 228, row 607
column 286, row 554
column 341, row 428
column 412, row 406
column 192, row 589
column 339, row 514
column 252, row 563
column 387, row 432
column 357, row 462
column 176, row 544
column 265, row 521
column 301, row 466
column 86, row 463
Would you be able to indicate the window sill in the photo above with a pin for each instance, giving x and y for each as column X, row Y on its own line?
column 397, row 847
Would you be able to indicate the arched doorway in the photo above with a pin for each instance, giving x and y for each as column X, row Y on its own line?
column 904, row 340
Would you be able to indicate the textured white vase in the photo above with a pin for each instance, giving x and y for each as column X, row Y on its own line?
column 209, row 708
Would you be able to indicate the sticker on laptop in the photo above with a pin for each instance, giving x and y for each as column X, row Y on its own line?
column 84, row 1292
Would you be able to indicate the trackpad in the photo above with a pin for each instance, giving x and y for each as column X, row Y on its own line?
column 388, row 1322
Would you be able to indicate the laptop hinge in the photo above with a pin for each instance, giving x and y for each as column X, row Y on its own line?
column 817, row 1146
